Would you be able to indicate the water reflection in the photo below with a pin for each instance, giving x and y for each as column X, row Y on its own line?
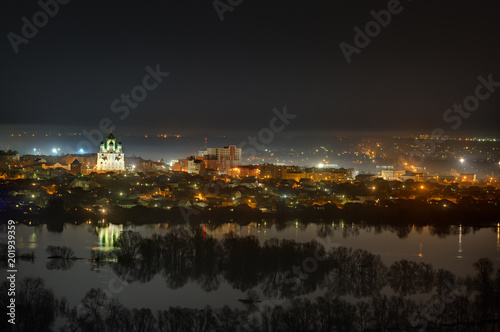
column 459, row 256
column 288, row 270
column 107, row 235
column 279, row 268
column 498, row 236
column 32, row 240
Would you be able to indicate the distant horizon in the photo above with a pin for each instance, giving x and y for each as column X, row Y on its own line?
column 130, row 131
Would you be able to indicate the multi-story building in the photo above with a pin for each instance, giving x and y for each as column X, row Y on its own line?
column 193, row 165
column 276, row 171
column 335, row 175
column 227, row 157
column 417, row 177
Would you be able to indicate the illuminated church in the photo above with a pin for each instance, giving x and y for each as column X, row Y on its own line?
column 110, row 156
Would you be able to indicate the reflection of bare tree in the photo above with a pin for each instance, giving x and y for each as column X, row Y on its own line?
column 441, row 231
column 276, row 274
column 127, row 246
column 448, row 308
column 60, row 264
column 276, row 284
column 251, row 300
column 443, row 280
column 177, row 256
column 118, row 317
column 36, row 306
column 139, row 270
column 483, row 284
column 61, row 258
column 60, row 252
column 357, row 272
column 402, row 231
column 368, row 273
column 406, row 277
column 241, row 261
column 325, row 230
column 207, row 263
column 281, row 269
column 91, row 312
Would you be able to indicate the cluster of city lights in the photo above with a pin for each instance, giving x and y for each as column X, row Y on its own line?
column 55, row 151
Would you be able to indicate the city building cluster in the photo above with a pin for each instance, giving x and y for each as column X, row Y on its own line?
column 99, row 187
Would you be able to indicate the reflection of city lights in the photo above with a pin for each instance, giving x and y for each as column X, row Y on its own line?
column 108, row 234
column 460, row 242
column 498, row 236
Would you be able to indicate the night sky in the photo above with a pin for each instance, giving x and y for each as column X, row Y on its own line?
column 228, row 75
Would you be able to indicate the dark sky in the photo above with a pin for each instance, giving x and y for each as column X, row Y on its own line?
column 228, row 75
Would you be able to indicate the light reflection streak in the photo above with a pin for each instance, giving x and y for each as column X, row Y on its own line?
column 498, row 236
column 459, row 256
column 107, row 236
column 32, row 240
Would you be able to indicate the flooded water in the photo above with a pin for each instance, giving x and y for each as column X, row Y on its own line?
column 454, row 249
